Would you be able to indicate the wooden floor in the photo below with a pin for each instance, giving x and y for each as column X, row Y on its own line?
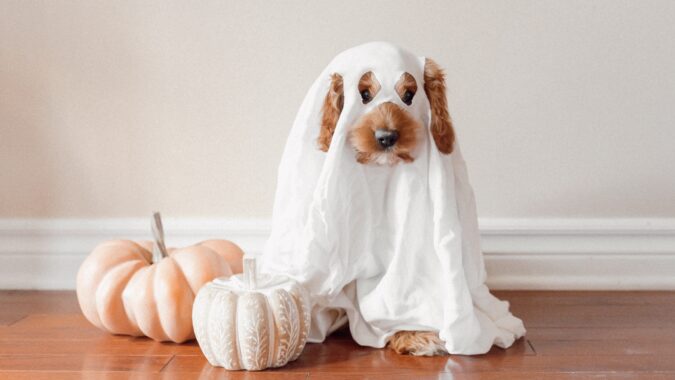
column 571, row 335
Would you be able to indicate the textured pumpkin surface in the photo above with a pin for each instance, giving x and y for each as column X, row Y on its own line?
column 120, row 290
column 248, row 329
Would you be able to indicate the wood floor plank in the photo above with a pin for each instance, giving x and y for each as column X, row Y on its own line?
column 72, row 375
column 538, row 297
column 381, row 363
column 52, row 327
column 104, row 346
column 600, row 347
column 39, row 301
column 345, row 356
column 220, row 373
column 73, row 334
column 594, row 316
column 495, row 376
column 84, row 363
column 565, row 363
column 110, row 375
column 608, row 334
column 10, row 318
column 592, row 309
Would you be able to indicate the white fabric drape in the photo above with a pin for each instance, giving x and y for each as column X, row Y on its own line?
column 387, row 248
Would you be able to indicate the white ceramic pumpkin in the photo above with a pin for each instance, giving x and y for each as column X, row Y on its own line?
column 251, row 322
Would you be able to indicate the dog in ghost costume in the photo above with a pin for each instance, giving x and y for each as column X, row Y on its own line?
column 375, row 216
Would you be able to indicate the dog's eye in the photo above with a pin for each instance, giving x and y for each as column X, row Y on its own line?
column 408, row 97
column 365, row 96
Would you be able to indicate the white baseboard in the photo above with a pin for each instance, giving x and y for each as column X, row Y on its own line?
column 564, row 254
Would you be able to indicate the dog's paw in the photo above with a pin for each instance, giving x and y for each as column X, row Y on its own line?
column 417, row 343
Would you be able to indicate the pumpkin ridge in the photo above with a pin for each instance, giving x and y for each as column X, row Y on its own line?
column 295, row 329
column 127, row 297
column 237, row 345
column 300, row 301
column 94, row 268
column 272, row 328
column 286, row 333
column 153, row 319
column 118, row 287
column 203, row 304
column 178, row 258
column 160, row 284
column 140, row 252
column 235, row 338
column 253, row 334
column 277, row 349
column 179, row 269
column 131, row 246
column 220, row 328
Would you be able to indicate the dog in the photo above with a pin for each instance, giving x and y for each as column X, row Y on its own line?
column 387, row 135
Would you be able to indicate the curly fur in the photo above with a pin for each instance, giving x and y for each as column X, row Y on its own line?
column 418, row 343
column 370, row 83
column 330, row 111
column 385, row 116
column 441, row 125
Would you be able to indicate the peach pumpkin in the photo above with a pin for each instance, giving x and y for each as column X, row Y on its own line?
column 143, row 288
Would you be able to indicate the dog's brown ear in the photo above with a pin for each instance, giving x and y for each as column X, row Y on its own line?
column 330, row 111
column 441, row 125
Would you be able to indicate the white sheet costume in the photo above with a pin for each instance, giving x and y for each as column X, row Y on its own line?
column 387, row 248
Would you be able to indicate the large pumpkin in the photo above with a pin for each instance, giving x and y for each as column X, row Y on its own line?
column 143, row 288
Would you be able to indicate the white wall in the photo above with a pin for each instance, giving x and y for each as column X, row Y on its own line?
column 107, row 109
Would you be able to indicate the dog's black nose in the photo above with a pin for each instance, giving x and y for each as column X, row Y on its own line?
column 386, row 138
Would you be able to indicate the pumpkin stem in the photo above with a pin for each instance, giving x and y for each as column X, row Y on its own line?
column 158, row 249
column 250, row 273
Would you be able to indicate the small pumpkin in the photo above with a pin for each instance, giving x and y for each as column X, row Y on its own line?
column 251, row 322
column 143, row 288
